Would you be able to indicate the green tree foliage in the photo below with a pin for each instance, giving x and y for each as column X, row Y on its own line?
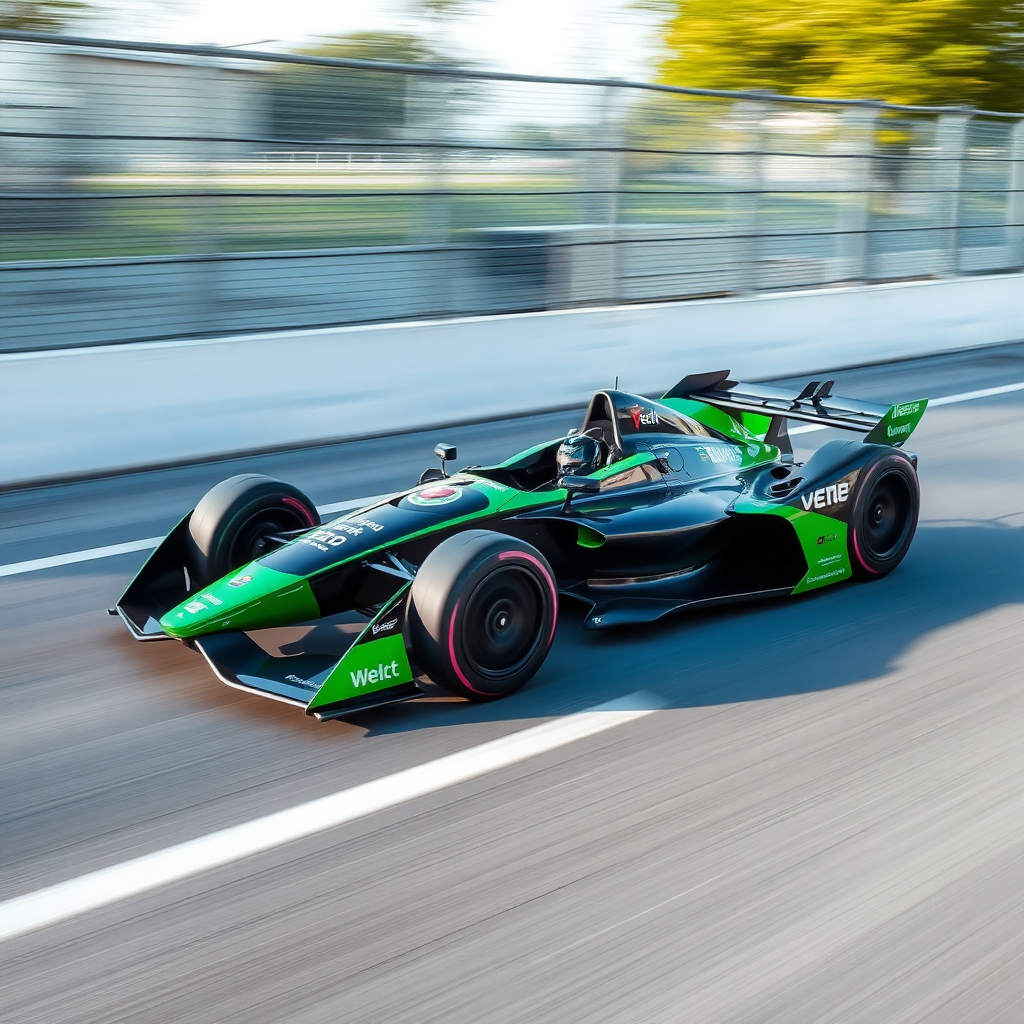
column 441, row 9
column 325, row 104
column 40, row 15
column 941, row 52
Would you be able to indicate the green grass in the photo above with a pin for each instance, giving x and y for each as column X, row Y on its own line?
column 145, row 221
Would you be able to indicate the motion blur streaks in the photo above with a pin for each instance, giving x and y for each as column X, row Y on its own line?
column 822, row 823
column 193, row 191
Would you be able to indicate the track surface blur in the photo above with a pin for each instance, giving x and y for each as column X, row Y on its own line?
column 825, row 823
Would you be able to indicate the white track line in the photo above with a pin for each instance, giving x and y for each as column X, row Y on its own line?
column 343, row 506
column 35, row 564
column 100, row 888
column 966, row 396
column 969, row 396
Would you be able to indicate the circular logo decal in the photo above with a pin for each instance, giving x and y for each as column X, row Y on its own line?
column 435, row 496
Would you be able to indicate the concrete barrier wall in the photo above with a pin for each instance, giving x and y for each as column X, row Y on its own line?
column 78, row 411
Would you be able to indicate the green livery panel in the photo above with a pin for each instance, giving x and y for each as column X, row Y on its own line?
column 898, row 423
column 377, row 661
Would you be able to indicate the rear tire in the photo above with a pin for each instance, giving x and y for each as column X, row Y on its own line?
column 232, row 523
column 482, row 614
column 884, row 516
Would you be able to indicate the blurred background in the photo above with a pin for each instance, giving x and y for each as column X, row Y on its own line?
column 241, row 167
column 823, row 819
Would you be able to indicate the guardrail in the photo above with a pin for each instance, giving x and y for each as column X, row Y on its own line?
column 81, row 411
column 151, row 192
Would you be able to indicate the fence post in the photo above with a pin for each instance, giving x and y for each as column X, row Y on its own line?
column 600, row 174
column 951, row 140
column 854, row 248
column 612, row 175
column 1015, row 206
column 427, row 101
column 207, row 115
column 746, row 187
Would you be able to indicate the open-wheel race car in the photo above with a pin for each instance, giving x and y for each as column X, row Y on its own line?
column 650, row 507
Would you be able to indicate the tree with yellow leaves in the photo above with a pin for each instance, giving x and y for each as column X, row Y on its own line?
column 937, row 52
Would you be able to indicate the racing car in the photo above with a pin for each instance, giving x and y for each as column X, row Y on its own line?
column 648, row 508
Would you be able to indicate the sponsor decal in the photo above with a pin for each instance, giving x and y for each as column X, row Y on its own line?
column 384, row 627
column 369, row 524
column 891, row 431
column 239, row 581
column 350, row 528
column 493, row 484
column 828, row 538
column 370, row 676
column 435, row 496
column 299, row 681
column 195, row 607
column 825, row 576
column 213, row 600
column 719, row 455
column 324, row 539
column 643, row 417
column 907, row 409
column 829, row 560
column 825, row 497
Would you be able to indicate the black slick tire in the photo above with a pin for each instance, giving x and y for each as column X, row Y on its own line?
column 482, row 614
column 231, row 525
column 883, row 518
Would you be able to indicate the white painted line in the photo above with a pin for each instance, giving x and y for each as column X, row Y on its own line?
column 89, row 554
column 342, row 506
column 100, row 888
column 966, row 396
column 970, row 396
column 34, row 564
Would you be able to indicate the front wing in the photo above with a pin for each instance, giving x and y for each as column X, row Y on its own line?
column 371, row 670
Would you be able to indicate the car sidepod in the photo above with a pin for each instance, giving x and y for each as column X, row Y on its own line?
column 817, row 500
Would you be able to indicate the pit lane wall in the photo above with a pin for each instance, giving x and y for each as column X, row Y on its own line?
column 71, row 412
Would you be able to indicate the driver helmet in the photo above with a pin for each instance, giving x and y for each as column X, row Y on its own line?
column 578, row 455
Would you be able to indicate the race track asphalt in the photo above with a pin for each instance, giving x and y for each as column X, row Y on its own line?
column 824, row 820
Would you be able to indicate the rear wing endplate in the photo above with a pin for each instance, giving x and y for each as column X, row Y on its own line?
column 814, row 404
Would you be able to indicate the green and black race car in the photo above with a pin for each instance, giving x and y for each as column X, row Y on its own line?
column 649, row 508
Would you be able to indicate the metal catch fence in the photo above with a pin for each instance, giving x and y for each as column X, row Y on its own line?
column 151, row 192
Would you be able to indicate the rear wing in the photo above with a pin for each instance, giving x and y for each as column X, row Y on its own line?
column 769, row 407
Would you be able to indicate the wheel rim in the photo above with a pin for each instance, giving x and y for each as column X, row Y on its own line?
column 887, row 516
column 253, row 537
column 503, row 623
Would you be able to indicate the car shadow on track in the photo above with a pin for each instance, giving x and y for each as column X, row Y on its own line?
column 846, row 635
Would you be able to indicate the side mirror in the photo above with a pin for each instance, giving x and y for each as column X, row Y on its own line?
column 578, row 485
column 445, row 452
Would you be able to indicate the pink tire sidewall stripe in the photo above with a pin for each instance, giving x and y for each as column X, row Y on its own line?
column 455, row 614
column 451, row 651
column 865, row 483
column 296, row 504
column 547, row 579
column 860, row 557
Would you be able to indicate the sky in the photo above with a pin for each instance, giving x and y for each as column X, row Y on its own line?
column 589, row 38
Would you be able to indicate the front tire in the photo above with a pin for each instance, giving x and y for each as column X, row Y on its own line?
column 483, row 612
column 233, row 523
column 883, row 519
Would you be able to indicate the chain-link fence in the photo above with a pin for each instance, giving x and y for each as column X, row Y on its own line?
column 159, row 192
